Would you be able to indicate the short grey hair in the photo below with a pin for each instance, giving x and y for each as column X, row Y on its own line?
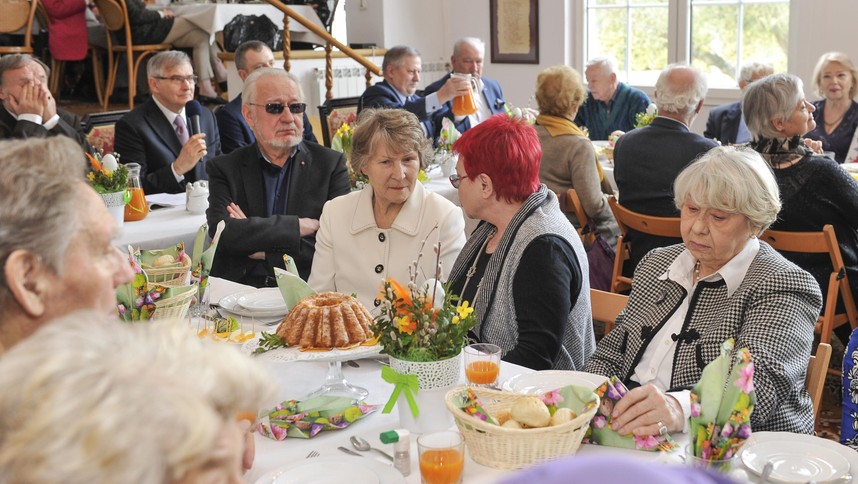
column 40, row 199
column 11, row 62
column 679, row 98
column 750, row 70
column 772, row 97
column 472, row 41
column 241, row 52
column 734, row 180
column 164, row 61
column 397, row 130
column 608, row 64
column 248, row 93
column 92, row 399
column 393, row 57
column 826, row 59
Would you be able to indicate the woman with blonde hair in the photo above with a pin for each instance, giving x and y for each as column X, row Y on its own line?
column 835, row 78
column 568, row 157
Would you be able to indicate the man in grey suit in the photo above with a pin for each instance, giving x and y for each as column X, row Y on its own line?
column 271, row 193
column 647, row 160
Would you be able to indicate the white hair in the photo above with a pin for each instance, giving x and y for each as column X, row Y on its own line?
column 735, row 180
column 671, row 97
column 608, row 64
column 90, row 399
column 750, row 70
column 772, row 97
column 472, row 41
column 248, row 93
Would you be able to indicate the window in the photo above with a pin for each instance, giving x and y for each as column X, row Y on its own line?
column 720, row 36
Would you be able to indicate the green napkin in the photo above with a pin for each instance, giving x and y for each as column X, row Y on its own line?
column 292, row 287
column 306, row 419
column 721, row 405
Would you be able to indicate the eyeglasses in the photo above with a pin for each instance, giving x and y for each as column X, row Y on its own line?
column 456, row 180
column 179, row 79
column 277, row 108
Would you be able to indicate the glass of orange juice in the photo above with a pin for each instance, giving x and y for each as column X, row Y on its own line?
column 482, row 363
column 442, row 457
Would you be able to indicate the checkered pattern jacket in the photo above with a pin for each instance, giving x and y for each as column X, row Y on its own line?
column 772, row 313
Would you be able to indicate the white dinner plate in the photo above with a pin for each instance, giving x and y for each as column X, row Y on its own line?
column 796, row 457
column 230, row 303
column 263, row 300
column 329, row 470
column 267, row 320
column 540, row 382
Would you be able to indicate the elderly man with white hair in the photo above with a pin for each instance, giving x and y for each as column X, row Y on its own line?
column 726, row 123
column 647, row 160
column 611, row 105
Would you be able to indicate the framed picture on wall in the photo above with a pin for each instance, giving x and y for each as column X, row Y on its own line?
column 514, row 31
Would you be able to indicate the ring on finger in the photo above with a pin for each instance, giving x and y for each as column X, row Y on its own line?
column 662, row 428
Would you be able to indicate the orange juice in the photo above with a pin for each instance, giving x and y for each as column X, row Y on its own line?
column 464, row 105
column 137, row 208
column 482, row 372
column 441, row 466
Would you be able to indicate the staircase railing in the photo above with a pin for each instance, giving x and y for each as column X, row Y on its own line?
column 330, row 42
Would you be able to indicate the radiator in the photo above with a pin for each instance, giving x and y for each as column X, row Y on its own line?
column 349, row 81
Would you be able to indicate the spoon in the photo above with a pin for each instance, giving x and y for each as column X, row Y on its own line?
column 363, row 446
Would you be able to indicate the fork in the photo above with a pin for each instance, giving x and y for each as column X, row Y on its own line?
column 313, row 453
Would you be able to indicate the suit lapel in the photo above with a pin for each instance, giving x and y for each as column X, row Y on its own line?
column 161, row 127
column 251, row 179
column 300, row 165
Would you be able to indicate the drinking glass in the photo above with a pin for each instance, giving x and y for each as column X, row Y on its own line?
column 442, row 457
column 482, row 363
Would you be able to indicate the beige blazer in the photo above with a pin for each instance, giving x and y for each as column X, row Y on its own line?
column 353, row 255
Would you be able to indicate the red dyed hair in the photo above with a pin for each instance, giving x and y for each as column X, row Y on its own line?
column 508, row 151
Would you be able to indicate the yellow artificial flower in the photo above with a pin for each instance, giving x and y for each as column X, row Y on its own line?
column 406, row 324
column 464, row 310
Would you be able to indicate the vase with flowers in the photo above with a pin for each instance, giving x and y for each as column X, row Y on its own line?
column 110, row 179
column 422, row 328
column 342, row 142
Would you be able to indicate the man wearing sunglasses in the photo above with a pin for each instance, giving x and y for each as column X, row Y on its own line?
column 234, row 131
column 271, row 192
column 401, row 68
column 158, row 134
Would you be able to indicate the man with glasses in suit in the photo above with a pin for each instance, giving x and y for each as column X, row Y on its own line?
column 157, row 134
column 271, row 193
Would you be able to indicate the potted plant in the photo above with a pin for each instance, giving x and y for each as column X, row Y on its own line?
column 110, row 180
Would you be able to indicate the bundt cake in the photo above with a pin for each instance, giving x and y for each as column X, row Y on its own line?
column 326, row 320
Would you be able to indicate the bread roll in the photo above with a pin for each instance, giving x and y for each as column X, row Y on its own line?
column 561, row 416
column 164, row 260
column 502, row 417
column 511, row 424
column 532, row 412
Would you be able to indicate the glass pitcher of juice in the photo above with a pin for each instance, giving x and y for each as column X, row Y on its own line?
column 137, row 208
column 465, row 105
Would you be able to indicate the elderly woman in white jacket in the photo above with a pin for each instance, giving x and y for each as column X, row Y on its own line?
column 377, row 232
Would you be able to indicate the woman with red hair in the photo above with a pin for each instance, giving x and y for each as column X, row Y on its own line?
column 522, row 267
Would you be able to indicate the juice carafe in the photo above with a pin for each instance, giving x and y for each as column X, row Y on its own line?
column 464, row 105
column 137, row 208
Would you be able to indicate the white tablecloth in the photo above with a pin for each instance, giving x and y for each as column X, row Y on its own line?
column 162, row 228
column 212, row 17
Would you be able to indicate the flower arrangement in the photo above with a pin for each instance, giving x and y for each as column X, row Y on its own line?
column 646, row 117
column 342, row 142
column 426, row 323
column 107, row 175
column 526, row 114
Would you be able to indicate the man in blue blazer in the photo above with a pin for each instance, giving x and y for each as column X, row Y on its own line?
column 149, row 134
column 647, row 160
column 725, row 123
column 271, row 193
column 467, row 58
column 401, row 68
column 234, row 131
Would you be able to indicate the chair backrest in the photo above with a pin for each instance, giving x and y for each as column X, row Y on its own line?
column 113, row 13
column 838, row 282
column 571, row 203
column 18, row 15
column 817, row 369
column 606, row 306
column 100, row 129
column 333, row 113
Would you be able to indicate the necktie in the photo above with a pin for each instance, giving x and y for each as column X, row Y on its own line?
column 181, row 129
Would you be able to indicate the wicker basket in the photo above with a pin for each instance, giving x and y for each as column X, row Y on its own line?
column 174, row 307
column 502, row 448
column 170, row 276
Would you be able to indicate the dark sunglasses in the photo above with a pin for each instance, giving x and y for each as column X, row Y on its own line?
column 456, row 180
column 277, row 108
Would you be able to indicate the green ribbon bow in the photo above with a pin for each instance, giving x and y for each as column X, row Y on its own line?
column 407, row 383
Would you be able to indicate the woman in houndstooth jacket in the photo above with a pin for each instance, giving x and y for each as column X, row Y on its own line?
column 722, row 282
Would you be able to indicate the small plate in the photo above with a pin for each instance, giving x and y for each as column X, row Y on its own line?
column 293, row 353
column 263, row 300
column 329, row 470
column 230, row 303
column 544, row 381
column 794, row 462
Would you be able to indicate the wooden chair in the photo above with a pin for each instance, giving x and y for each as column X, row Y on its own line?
column 18, row 15
column 817, row 369
column 114, row 14
column 572, row 204
column 333, row 113
column 100, row 128
column 647, row 224
column 606, row 306
column 838, row 283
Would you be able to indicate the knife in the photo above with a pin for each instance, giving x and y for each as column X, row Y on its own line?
column 349, row 451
